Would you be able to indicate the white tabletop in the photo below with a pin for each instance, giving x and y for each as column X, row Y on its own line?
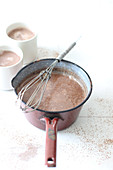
column 88, row 143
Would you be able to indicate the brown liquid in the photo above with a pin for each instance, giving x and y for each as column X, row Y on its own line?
column 62, row 93
column 21, row 34
column 8, row 58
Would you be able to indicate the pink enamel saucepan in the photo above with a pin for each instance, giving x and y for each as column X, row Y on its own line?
column 59, row 120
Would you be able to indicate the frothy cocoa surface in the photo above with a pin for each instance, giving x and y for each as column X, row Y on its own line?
column 21, row 34
column 62, row 93
column 8, row 58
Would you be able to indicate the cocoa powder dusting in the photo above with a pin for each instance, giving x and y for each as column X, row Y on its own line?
column 108, row 142
column 30, row 152
column 94, row 130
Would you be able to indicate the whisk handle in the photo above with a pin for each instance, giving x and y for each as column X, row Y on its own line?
column 61, row 56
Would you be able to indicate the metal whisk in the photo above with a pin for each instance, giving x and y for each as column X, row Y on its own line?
column 43, row 77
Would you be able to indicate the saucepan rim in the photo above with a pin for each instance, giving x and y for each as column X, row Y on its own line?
column 57, row 112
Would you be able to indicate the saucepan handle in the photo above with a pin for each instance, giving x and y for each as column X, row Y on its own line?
column 51, row 140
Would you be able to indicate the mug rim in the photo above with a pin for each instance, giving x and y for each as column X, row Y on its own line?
column 22, row 25
column 16, row 50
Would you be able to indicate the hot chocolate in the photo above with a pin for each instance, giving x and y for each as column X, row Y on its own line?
column 62, row 93
column 8, row 58
column 21, row 34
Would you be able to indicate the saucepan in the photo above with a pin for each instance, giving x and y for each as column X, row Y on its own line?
column 59, row 120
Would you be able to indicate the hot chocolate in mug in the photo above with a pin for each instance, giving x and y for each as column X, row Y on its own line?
column 11, row 61
column 25, row 37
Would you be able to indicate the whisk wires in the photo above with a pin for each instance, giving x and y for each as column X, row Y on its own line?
column 42, row 79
